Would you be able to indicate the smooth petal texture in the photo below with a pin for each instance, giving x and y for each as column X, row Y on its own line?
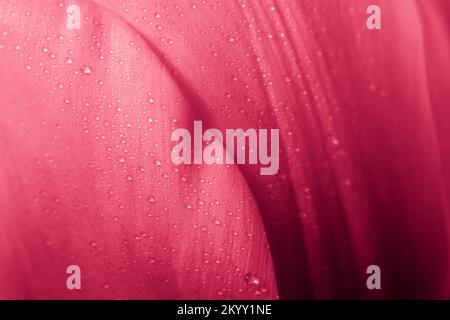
column 86, row 176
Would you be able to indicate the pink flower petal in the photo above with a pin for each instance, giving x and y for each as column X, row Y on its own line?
column 86, row 176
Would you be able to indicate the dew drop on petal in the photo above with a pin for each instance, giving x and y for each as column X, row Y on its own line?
column 86, row 70
column 251, row 279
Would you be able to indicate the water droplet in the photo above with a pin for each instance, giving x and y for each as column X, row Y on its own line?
column 86, row 70
column 335, row 141
column 251, row 279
